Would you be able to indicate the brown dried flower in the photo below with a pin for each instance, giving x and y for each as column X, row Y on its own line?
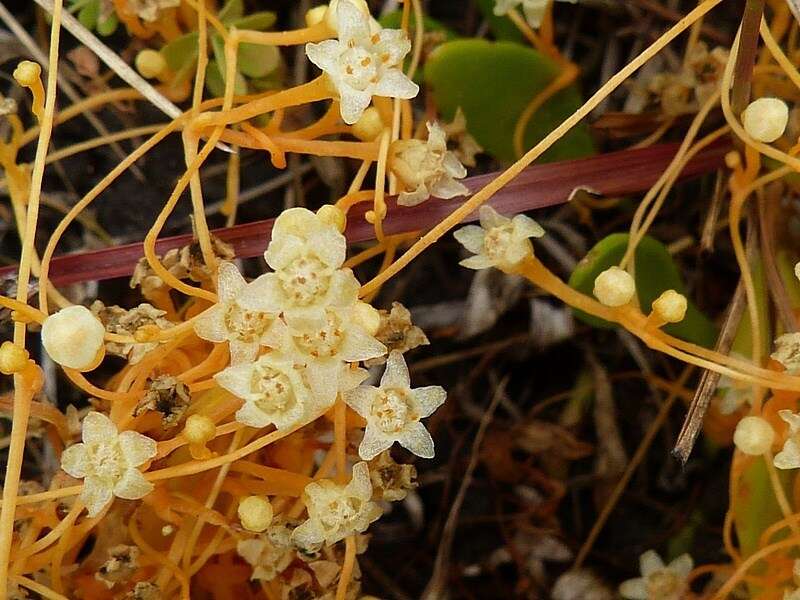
column 167, row 395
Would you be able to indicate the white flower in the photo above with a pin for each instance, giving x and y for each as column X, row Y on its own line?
column 499, row 241
column 533, row 9
column 227, row 321
column 327, row 348
column 307, row 254
column 362, row 64
column 393, row 411
column 269, row 554
column 149, row 10
column 273, row 390
column 658, row 582
column 789, row 456
column 337, row 511
column 427, row 168
column 787, row 352
column 107, row 461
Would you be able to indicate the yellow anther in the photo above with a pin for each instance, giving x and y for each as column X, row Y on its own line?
column 13, row 358
column 255, row 513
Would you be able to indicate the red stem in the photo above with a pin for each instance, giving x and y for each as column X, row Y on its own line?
column 613, row 174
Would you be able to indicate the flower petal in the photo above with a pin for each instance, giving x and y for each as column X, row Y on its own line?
column 98, row 428
column 352, row 24
column 324, row 54
column 329, row 245
column 353, row 103
column 415, row 438
column 634, row 589
column 360, row 484
column 132, row 485
column 489, row 217
column 525, row 227
column 447, row 187
column 95, row 495
column 428, row 399
column 359, row 345
column 396, row 373
column 477, row 262
column 136, row 448
column 682, row 565
column 789, row 457
column 252, row 416
column 395, row 84
column 374, row 442
column 650, row 562
column 361, row 398
column 471, row 237
column 210, row 325
column 263, row 294
column 73, row 460
column 243, row 352
column 236, row 380
column 229, row 282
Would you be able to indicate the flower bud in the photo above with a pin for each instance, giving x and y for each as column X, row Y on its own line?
column 765, row 119
column 369, row 126
column 255, row 513
column 368, row 317
column 670, row 306
column 332, row 215
column 150, row 63
column 27, row 73
column 73, row 337
column 199, row 429
column 614, row 287
column 753, row 436
column 13, row 358
column 316, row 15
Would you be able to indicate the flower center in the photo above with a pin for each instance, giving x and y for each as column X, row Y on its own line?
column 497, row 241
column 274, row 389
column 246, row 325
column 104, row 459
column 392, row 410
column 305, row 279
column 325, row 342
column 359, row 67
column 663, row 585
column 340, row 512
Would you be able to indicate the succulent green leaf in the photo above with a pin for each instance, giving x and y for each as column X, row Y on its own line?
column 258, row 61
column 89, row 14
column 394, row 20
column 215, row 81
column 258, row 21
column 232, row 10
column 656, row 272
column 181, row 53
column 108, row 26
column 493, row 83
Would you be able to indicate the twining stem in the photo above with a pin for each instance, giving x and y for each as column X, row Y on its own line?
column 22, row 392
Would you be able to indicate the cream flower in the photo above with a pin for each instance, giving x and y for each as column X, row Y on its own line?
column 107, row 461
column 269, row 554
column 789, row 456
column 658, row 581
column 362, row 64
column 327, row 349
column 227, row 321
column 393, row 411
column 306, row 254
column 533, row 9
column 337, row 511
column 787, row 352
column 427, row 168
column 499, row 241
column 149, row 10
column 273, row 390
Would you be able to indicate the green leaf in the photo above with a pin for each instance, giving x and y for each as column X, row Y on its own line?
column 502, row 27
column 89, row 14
column 656, row 272
column 258, row 21
column 493, row 83
column 233, row 9
column 108, row 26
column 394, row 20
column 215, row 82
column 181, row 53
column 258, row 61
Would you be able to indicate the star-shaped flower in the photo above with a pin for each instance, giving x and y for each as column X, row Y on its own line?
column 107, row 461
column 787, row 352
column 307, row 254
column 228, row 321
column 533, row 9
column 427, row 168
column 789, row 456
column 269, row 553
column 362, row 64
column 337, row 511
column 499, row 241
column 273, row 389
column 328, row 350
column 658, row 581
column 393, row 411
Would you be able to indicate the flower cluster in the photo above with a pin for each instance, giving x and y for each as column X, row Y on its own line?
column 659, row 581
column 364, row 61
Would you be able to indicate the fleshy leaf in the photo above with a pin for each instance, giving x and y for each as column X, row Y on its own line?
column 493, row 83
column 89, row 14
column 656, row 272
column 232, row 10
column 181, row 53
column 258, row 21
